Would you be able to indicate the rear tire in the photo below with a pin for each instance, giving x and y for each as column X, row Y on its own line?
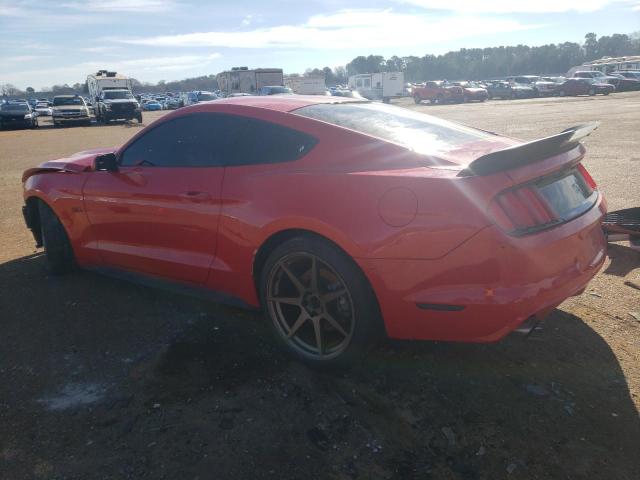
column 417, row 99
column 139, row 117
column 57, row 246
column 327, row 322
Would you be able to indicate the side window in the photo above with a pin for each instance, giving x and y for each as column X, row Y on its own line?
column 195, row 140
column 367, row 83
column 264, row 142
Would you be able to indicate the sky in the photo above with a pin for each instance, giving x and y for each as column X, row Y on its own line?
column 49, row 42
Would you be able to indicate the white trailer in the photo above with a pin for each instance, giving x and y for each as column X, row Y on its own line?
column 312, row 85
column 243, row 80
column 378, row 86
column 104, row 80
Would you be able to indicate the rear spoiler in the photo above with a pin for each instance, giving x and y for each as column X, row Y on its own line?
column 530, row 152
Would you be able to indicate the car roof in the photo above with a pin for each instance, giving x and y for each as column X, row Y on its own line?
column 285, row 103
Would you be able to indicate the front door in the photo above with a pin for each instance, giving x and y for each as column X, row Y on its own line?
column 158, row 214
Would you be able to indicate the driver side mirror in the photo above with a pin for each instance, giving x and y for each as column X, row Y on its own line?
column 107, row 162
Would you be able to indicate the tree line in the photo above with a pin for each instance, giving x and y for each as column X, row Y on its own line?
column 463, row 64
column 486, row 63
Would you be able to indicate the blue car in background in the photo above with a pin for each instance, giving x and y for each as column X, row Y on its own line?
column 152, row 105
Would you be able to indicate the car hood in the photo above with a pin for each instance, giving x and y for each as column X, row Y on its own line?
column 14, row 113
column 119, row 100
column 69, row 107
column 76, row 163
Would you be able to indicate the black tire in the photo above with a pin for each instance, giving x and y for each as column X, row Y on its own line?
column 591, row 92
column 440, row 99
column 139, row 117
column 417, row 99
column 57, row 247
column 358, row 302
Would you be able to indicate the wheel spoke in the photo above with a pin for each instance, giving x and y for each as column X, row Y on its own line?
column 329, row 297
column 314, row 274
column 298, row 323
column 318, row 331
column 286, row 300
column 296, row 282
column 334, row 323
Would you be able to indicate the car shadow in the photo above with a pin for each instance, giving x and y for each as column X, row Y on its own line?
column 98, row 374
column 623, row 260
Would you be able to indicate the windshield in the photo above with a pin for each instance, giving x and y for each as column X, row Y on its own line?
column 117, row 95
column 205, row 96
column 58, row 101
column 15, row 107
column 416, row 131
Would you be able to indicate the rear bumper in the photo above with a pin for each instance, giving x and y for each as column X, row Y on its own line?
column 491, row 284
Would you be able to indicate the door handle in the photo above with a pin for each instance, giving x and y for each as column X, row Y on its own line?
column 196, row 196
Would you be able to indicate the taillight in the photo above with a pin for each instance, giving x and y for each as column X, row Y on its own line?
column 587, row 177
column 522, row 210
column 546, row 202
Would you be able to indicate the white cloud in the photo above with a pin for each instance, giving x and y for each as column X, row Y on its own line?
column 148, row 6
column 511, row 6
column 141, row 68
column 363, row 28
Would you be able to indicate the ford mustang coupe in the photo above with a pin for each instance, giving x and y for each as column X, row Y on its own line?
column 342, row 219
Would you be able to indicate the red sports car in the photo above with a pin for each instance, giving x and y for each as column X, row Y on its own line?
column 343, row 219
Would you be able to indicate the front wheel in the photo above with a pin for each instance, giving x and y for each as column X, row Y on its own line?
column 591, row 92
column 417, row 99
column 321, row 307
column 57, row 247
column 139, row 117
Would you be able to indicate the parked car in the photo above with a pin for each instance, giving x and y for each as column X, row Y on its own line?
column 43, row 109
column 438, row 92
column 633, row 74
column 70, row 110
column 472, row 92
column 311, row 208
column 583, row 86
column 502, row 89
column 17, row 115
column 151, row 105
column 622, row 83
column 275, row 90
column 346, row 93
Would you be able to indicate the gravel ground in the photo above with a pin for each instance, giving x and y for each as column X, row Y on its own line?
column 103, row 379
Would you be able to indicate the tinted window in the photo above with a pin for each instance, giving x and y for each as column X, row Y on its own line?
column 264, row 142
column 419, row 132
column 196, row 140
column 215, row 139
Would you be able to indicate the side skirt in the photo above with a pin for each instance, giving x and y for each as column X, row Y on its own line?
column 189, row 290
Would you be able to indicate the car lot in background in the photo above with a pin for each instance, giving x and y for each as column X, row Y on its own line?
column 159, row 384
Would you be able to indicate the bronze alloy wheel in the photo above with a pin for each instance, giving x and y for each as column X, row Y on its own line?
column 310, row 306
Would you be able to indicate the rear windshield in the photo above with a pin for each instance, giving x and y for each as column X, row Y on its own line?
column 416, row 131
column 205, row 96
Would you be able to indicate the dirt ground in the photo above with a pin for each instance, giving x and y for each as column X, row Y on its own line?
column 102, row 379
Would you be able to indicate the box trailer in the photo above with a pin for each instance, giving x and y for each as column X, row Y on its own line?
column 243, row 80
column 378, row 86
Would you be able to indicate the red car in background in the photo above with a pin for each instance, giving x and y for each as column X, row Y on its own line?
column 438, row 92
column 342, row 219
column 583, row 86
column 472, row 92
